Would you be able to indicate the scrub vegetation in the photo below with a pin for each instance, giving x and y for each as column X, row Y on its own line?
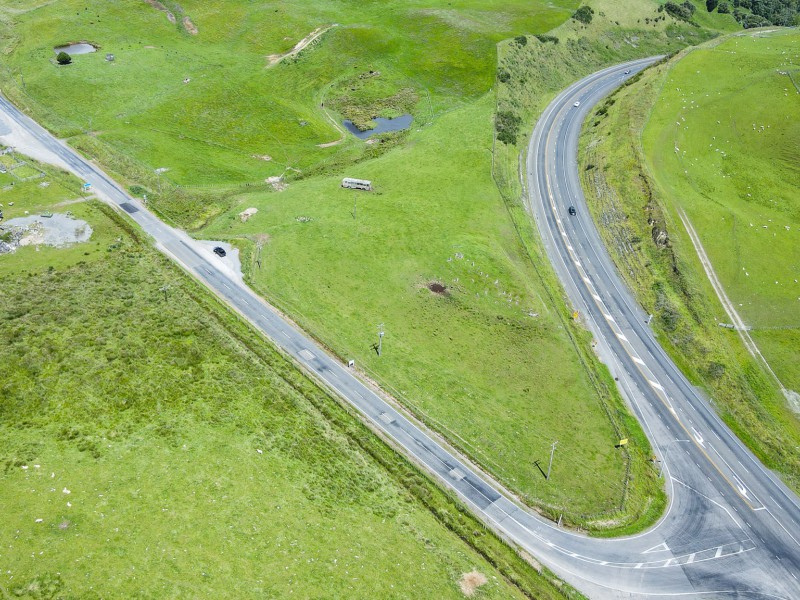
column 157, row 447
column 724, row 150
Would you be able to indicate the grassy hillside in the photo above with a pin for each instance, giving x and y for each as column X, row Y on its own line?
column 206, row 107
column 724, row 150
column 483, row 361
column 530, row 74
column 494, row 364
column 736, row 169
column 159, row 448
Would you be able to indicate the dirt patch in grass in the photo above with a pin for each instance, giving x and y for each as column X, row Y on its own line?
column 189, row 26
column 438, row 288
column 274, row 59
column 470, row 582
column 158, row 6
column 247, row 213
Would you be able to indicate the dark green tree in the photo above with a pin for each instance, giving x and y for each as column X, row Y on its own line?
column 63, row 58
column 584, row 14
column 507, row 123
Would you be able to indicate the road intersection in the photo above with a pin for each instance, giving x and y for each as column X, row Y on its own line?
column 731, row 529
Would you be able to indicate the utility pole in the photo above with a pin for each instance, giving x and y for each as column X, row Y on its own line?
column 552, row 452
column 380, row 338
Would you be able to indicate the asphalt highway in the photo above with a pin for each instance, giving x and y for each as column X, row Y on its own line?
column 705, row 463
column 731, row 529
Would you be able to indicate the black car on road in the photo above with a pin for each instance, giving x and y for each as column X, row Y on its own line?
column 219, row 251
column 571, row 210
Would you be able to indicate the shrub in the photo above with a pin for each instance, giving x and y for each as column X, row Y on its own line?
column 503, row 75
column 711, row 5
column 506, row 124
column 682, row 12
column 716, row 369
column 584, row 14
column 63, row 58
column 544, row 38
column 751, row 21
column 521, row 40
column 724, row 8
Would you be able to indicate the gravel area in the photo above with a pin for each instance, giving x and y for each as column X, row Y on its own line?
column 58, row 230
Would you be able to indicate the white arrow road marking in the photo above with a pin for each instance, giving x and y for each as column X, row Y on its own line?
column 740, row 486
column 698, row 437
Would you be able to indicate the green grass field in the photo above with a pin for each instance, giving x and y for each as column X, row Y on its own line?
column 486, row 362
column 205, row 106
column 153, row 448
column 735, row 173
column 703, row 150
column 495, row 365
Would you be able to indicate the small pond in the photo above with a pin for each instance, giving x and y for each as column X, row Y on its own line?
column 383, row 125
column 73, row 49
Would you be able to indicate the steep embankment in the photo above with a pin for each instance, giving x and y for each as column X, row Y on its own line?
column 719, row 154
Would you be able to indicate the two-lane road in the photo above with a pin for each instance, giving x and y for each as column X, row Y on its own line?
column 716, row 538
column 677, row 418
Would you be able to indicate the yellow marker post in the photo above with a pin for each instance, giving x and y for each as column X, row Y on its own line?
column 623, row 442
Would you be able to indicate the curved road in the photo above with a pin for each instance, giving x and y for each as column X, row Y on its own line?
column 731, row 528
column 722, row 495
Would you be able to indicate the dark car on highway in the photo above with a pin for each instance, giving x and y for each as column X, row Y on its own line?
column 571, row 210
column 219, row 251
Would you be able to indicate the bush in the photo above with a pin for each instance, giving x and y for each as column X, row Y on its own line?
column 584, row 14
column 503, row 75
column 63, row 58
column 711, row 5
column 682, row 12
column 715, row 369
column 724, row 8
column 521, row 40
column 506, row 124
column 137, row 190
column 771, row 12
column 544, row 38
column 751, row 21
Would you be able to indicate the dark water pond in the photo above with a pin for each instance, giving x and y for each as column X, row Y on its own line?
column 74, row 49
column 383, row 125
